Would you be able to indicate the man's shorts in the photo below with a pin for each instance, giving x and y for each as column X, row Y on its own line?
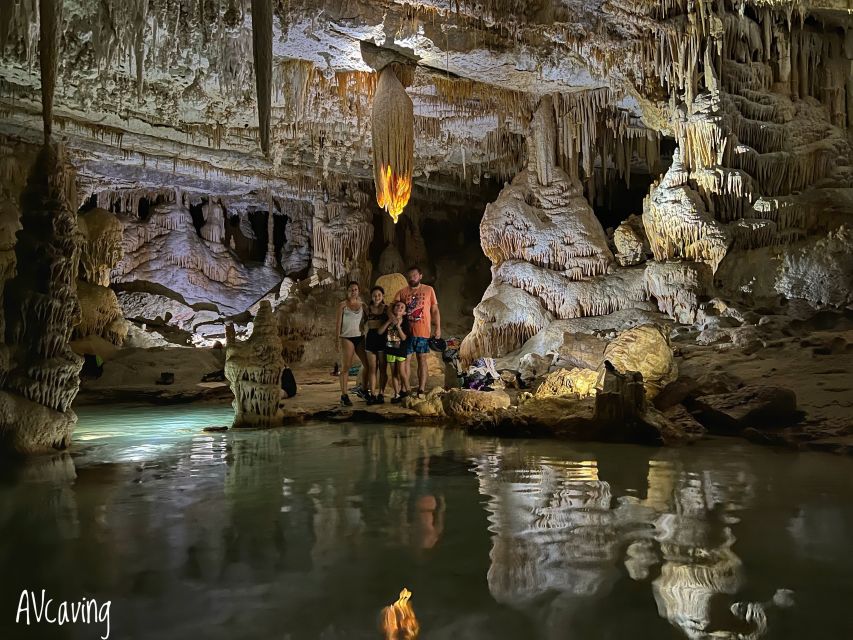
column 418, row 345
column 392, row 359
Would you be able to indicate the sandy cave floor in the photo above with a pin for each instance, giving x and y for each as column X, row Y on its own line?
column 822, row 381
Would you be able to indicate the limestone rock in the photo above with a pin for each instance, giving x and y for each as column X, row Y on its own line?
column 619, row 399
column 38, row 369
column 392, row 283
column 675, row 425
column 342, row 233
column 165, row 251
column 430, row 406
column 677, row 222
column 100, row 313
column 678, row 287
column 532, row 366
column 467, row 404
column 631, row 242
column 568, row 383
column 821, row 272
column 644, row 349
column 27, row 427
column 390, row 260
column 581, row 350
column 749, row 406
column 253, row 369
column 101, row 250
column 506, row 318
column 155, row 309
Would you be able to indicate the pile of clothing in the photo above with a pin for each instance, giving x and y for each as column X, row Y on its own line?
column 481, row 375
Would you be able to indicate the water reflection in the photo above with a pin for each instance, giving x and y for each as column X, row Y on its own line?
column 308, row 532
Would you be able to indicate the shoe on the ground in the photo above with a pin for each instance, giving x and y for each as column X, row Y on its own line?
column 370, row 399
column 345, row 401
column 380, row 399
column 403, row 394
column 360, row 391
column 420, row 394
column 396, row 400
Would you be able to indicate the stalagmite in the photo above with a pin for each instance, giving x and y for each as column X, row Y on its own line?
column 393, row 143
column 101, row 251
column 40, row 380
column 253, row 369
column 262, row 55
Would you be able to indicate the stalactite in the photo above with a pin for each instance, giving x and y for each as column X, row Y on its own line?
column 393, row 143
column 50, row 12
column 262, row 55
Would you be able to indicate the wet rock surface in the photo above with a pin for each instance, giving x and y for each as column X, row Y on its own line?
column 750, row 406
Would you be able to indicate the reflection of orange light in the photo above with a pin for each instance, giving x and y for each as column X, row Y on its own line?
column 393, row 192
column 398, row 620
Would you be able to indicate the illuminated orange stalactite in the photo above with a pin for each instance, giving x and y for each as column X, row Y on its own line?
column 393, row 143
column 393, row 192
column 398, row 619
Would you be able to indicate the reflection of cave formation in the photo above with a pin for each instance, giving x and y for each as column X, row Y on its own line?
column 557, row 528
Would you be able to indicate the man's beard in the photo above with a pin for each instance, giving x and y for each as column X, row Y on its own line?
column 413, row 284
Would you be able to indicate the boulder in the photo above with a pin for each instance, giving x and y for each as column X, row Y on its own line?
column 467, row 404
column 430, row 406
column 532, row 366
column 564, row 383
column 675, row 425
column 391, row 283
column 644, row 349
column 750, row 406
column 581, row 350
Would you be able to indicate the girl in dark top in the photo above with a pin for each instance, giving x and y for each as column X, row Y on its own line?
column 377, row 314
column 396, row 328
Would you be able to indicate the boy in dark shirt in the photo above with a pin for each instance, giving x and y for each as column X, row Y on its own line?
column 397, row 338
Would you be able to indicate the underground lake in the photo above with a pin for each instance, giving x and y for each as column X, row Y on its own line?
column 309, row 531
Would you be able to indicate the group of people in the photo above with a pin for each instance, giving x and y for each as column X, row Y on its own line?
column 394, row 332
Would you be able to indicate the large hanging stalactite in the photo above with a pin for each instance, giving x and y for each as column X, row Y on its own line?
column 393, row 142
column 262, row 52
column 49, row 13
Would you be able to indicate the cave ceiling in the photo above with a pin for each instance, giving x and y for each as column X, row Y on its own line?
column 162, row 92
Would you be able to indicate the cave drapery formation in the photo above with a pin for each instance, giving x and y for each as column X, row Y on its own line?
column 225, row 152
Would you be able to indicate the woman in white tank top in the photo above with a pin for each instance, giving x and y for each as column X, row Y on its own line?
column 349, row 329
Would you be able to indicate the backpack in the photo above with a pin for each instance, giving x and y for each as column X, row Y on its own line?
column 288, row 382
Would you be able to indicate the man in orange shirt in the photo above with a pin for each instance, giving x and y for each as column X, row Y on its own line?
column 422, row 312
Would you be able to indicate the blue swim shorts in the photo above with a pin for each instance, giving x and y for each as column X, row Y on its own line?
column 418, row 345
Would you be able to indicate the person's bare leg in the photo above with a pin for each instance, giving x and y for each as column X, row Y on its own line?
column 362, row 356
column 423, row 371
column 371, row 372
column 347, row 352
column 404, row 373
column 395, row 377
column 383, row 373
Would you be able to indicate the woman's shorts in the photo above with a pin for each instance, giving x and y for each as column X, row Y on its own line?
column 375, row 341
column 356, row 340
column 390, row 358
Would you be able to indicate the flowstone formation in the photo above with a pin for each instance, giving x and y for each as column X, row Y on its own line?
column 39, row 371
column 549, row 253
column 101, row 314
column 253, row 368
column 763, row 167
column 191, row 263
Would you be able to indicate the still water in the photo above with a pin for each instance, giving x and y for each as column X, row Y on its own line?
column 307, row 532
